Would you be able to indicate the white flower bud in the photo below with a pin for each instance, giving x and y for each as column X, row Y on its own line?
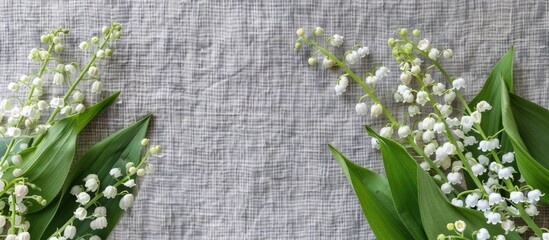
column 70, row 68
column 483, row 106
column 13, row 132
column 532, row 210
column 457, row 202
column 21, row 190
column 141, row 172
column 98, row 223
column 100, row 54
column 386, row 132
column 37, row 81
column 100, row 211
column 23, row 236
column 424, row 45
column 312, row 61
column 42, row 105
column 84, row 46
column 126, row 201
column 328, row 63
column 110, row 192
column 58, row 79
column 14, row 87
column 80, row 108
column 93, row 71
column 97, row 87
column 459, row 83
column 413, row 110
column 406, row 77
column 115, row 172
column 516, row 197
column 76, row 189
column 80, row 213
column 439, row 89
column 16, row 159
column 404, row 131
column 78, row 96
column 336, row 40
column 155, row 149
column 449, row 97
column 144, row 142
column 94, row 40
column 376, row 110
column 92, row 182
column 508, row 157
column 130, row 183
column 67, row 110
column 534, row 196
column 448, row 53
column 433, row 54
column 44, row 54
column 361, row 109
column 318, row 31
column 83, row 198
column 69, row 232
column 446, row 188
column 59, row 48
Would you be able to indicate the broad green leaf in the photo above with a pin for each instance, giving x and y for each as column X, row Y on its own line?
column 115, row 151
column 92, row 111
column 436, row 212
column 522, row 120
column 374, row 195
column 401, row 169
column 47, row 164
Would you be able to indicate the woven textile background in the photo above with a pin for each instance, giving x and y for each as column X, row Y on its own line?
column 243, row 120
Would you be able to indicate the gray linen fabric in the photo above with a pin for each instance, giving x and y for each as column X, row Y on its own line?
column 243, row 120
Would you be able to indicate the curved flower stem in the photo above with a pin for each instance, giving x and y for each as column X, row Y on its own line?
column 507, row 182
column 452, row 138
column 73, row 86
column 81, row 76
column 29, row 98
column 374, row 98
column 99, row 196
column 13, row 215
column 459, row 96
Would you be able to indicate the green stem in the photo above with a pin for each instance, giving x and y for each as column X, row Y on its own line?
column 100, row 195
column 374, row 98
column 13, row 202
column 507, row 182
column 27, row 101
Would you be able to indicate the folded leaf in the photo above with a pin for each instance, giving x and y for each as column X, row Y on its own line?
column 436, row 212
column 55, row 151
column 374, row 195
column 525, row 125
column 401, row 169
column 115, row 151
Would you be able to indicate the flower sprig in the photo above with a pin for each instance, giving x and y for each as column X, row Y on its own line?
column 451, row 144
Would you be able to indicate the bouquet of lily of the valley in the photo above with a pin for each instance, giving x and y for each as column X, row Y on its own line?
column 45, row 192
column 455, row 168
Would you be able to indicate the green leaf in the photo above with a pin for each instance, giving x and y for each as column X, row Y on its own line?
column 374, row 195
column 92, row 111
column 47, row 164
column 436, row 212
column 115, row 151
column 526, row 124
column 401, row 169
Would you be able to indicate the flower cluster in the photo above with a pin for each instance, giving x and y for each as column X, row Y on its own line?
column 25, row 119
column 92, row 193
column 441, row 129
